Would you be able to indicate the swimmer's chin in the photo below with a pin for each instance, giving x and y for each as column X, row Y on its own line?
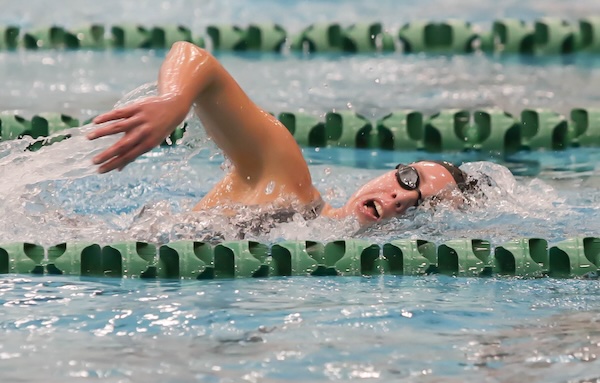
column 361, row 214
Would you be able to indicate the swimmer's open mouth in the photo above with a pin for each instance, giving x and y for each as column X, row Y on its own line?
column 374, row 208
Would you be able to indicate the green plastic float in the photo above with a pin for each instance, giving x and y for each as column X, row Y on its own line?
column 14, row 126
column 344, row 129
column 496, row 131
column 401, row 130
column 446, row 131
column 296, row 258
column 554, row 36
column 590, row 34
column 131, row 36
column 545, row 36
column 367, row 38
column 87, row 37
column 241, row 259
column 164, row 37
column 525, row 257
column 227, row 37
column 522, row 257
column 452, row 130
column 410, row 257
column 542, row 128
column 9, row 36
column 465, row 258
column 452, row 36
column 513, row 36
column 53, row 37
column 186, row 260
column 319, row 37
column 265, row 37
column 306, row 128
column 574, row 257
column 585, row 127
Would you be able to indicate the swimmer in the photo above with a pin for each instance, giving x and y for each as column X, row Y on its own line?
column 262, row 150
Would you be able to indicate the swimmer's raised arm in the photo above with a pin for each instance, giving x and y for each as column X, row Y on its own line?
column 252, row 139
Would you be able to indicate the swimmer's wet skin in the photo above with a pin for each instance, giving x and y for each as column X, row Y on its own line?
column 261, row 149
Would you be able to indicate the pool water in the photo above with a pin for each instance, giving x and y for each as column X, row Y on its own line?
column 386, row 328
column 300, row 329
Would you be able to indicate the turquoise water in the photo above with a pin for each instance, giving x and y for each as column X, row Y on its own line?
column 427, row 329
column 300, row 329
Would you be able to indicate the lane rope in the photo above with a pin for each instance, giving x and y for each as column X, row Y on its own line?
column 451, row 130
column 542, row 37
column 577, row 257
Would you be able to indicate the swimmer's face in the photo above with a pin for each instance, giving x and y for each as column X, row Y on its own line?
column 385, row 197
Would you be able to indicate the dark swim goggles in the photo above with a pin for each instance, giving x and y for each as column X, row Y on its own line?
column 408, row 178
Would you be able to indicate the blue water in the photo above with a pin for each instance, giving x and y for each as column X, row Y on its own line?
column 299, row 329
column 413, row 329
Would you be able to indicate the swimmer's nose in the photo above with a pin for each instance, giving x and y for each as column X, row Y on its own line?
column 401, row 202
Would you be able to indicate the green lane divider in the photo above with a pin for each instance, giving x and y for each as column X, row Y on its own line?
column 23, row 258
column 496, row 131
column 522, row 257
column 9, row 36
column 401, row 130
column 577, row 257
column 319, row 37
column 186, row 259
column 367, row 38
column 14, row 126
column 541, row 37
column 452, row 130
column 465, row 258
column 241, row 259
column 74, row 259
column 554, row 36
column 227, row 37
column 344, row 129
column 590, row 34
column 574, row 257
column 445, row 131
column 543, row 129
column 265, row 37
column 410, row 257
column 296, row 258
column 42, row 125
column 585, row 131
column 88, row 37
column 452, row 36
column 513, row 36
column 306, row 128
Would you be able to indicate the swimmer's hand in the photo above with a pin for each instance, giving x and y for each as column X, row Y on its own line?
column 145, row 123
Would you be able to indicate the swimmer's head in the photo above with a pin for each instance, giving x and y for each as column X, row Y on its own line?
column 394, row 192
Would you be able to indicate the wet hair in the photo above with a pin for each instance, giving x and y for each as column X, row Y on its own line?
column 467, row 184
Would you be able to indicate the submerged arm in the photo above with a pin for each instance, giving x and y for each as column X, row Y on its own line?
column 253, row 139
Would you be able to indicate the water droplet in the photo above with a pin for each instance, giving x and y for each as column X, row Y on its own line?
column 270, row 187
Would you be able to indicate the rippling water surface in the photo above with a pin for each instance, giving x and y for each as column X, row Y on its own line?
column 429, row 329
column 300, row 329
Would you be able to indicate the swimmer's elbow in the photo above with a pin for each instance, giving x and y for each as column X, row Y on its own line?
column 186, row 45
column 189, row 50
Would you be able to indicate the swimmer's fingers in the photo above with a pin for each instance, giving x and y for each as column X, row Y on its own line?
column 111, row 157
column 123, row 125
column 116, row 114
column 126, row 150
